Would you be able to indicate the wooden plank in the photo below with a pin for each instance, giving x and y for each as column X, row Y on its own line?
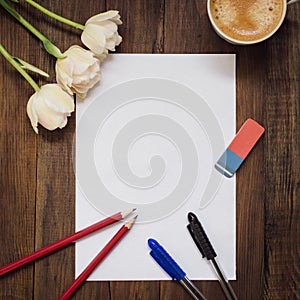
column 18, row 163
column 251, row 177
column 282, row 232
column 142, row 28
column 134, row 290
column 187, row 29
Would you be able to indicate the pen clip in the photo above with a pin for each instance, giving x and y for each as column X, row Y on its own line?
column 199, row 237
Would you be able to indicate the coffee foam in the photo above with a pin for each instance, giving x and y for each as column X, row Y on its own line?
column 247, row 20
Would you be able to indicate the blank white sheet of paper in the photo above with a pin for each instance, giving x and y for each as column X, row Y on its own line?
column 147, row 137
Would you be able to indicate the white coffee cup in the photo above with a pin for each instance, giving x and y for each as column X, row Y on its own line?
column 225, row 16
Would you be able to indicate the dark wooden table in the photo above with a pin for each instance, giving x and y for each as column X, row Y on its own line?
column 37, row 181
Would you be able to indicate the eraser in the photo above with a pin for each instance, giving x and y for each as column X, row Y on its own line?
column 240, row 147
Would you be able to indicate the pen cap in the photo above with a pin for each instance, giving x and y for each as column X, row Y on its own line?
column 200, row 238
column 163, row 258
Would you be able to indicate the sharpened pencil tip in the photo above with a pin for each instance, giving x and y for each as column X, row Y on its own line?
column 131, row 222
column 127, row 213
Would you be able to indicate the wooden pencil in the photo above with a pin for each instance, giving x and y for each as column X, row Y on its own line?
column 95, row 262
column 63, row 242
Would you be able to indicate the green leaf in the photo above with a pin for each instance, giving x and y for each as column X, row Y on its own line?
column 27, row 66
column 52, row 49
column 16, row 65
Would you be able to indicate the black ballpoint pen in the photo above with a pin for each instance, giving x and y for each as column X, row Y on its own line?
column 201, row 240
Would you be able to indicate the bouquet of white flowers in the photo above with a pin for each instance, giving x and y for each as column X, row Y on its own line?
column 77, row 69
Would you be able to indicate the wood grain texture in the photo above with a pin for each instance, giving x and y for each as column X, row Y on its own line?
column 37, row 181
column 18, row 167
column 282, row 184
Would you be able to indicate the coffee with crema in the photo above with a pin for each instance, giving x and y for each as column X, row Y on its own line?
column 247, row 20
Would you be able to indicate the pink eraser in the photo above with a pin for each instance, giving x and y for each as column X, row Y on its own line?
column 246, row 138
column 239, row 148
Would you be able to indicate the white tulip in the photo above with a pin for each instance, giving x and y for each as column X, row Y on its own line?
column 78, row 72
column 101, row 32
column 50, row 106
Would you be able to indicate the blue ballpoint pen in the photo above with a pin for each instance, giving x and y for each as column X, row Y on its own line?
column 171, row 267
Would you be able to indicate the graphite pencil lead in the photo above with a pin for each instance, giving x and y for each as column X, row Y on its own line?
column 127, row 213
column 131, row 222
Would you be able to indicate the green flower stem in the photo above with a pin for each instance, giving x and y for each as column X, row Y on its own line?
column 55, row 16
column 19, row 68
column 25, row 23
column 50, row 47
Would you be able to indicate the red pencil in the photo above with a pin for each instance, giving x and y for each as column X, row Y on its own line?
column 63, row 242
column 95, row 262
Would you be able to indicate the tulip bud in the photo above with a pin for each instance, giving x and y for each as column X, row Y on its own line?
column 101, row 32
column 78, row 72
column 50, row 106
